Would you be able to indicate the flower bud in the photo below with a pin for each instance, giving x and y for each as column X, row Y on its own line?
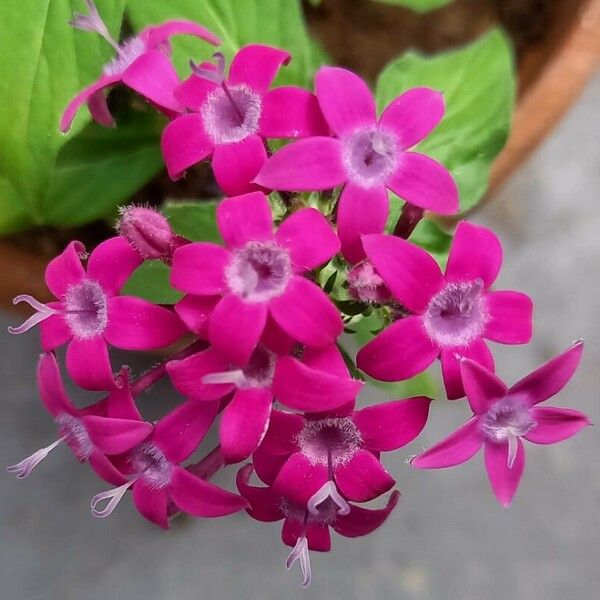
column 365, row 284
column 147, row 231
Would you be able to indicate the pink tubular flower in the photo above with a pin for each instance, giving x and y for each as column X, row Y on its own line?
column 319, row 381
column 450, row 314
column 367, row 157
column 141, row 64
column 89, row 313
column 503, row 416
column 258, row 275
column 304, row 530
column 311, row 458
column 232, row 116
column 76, row 427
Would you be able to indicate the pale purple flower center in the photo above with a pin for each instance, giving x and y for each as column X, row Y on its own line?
column 370, row 156
column 331, row 442
column 86, row 309
column 259, row 272
column 150, row 464
column 456, row 315
column 127, row 52
column 75, row 436
column 231, row 113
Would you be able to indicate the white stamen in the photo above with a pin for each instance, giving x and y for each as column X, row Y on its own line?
column 93, row 22
column 27, row 465
column 215, row 76
column 236, row 377
column 513, row 446
column 328, row 490
column 300, row 552
column 113, row 496
column 43, row 311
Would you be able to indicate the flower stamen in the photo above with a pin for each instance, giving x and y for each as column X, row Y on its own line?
column 27, row 465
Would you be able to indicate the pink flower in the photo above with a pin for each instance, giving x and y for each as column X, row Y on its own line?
column 78, row 427
column 319, row 381
column 502, row 417
column 367, row 157
column 304, row 530
column 231, row 117
column 310, row 458
column 89, row 313
column 450, row 314
column 141, row 64
column 259, row 275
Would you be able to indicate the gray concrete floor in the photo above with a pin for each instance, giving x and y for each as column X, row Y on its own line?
column 448, row 539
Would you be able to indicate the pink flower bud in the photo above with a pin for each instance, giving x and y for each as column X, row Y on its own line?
column 365, row 284
column 147, row 231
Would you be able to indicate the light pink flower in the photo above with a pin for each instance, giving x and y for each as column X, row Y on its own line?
column 232, row 116
column 259, row 275
column 89, row 313
column 304, row 530
column 142, row 64
column 503, row 417
column 450, row 313
column 367, row 156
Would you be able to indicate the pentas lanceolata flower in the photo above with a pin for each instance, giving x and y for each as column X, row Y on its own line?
column 263, row 312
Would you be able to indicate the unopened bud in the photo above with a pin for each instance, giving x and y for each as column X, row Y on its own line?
column 147, row 231
column 365, row 284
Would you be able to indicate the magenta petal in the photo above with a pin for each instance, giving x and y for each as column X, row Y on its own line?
column 456, row 449
column 318, row 537
column 198, row 269
column 98, row 107
column 200, row 498
column 120, row 402
column 360, row 211
column 411, row 274
column 265, row 505
column 345, row 99
column 256, row 66
column 483, row 388
column 158, row 34
column 235, row 165
column 276, row 339
column 186, row 375
column 363, row 477
column 309, row 238
column 84, row 96
column 88, row 364
column 306, row 165
column 194, row 311
column 413, row 115
column 115, row 436
column 306, row 313
column 235, row 328
column 184, row 143
column 104, row 468
column 180, row 432
column 151, row 503
column 243, row 219
column 476, row 253
column 510, row 315
column 391, row 425
column 424, row 182
column 550, row 378
column 298, row 479
column 283, row 430
column 153, row 76
column 555, row 424
column 504, row 479
column 50, row 385
column 65, row 270
column 398, row 352
column 54, row 331
column 244, row 423
column 194, row 90
column 292, row 530
column 268, row 465
column 299, row 387
column 291, row 112
column 362, row 521
column 111, row 264
column 327, row 359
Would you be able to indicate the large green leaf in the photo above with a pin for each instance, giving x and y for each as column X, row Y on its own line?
column 238, row 22
column 478, row 84
column 194, row 220
column 43, row 63
column 151, row 282
column 420, row 6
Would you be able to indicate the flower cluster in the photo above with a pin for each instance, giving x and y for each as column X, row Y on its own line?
column 262, row 313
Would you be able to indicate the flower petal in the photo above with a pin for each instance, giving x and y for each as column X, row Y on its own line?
column 65, row 270
column 424, row 182
column 104, row 468
column 504, row 479
column 54, row 331
column 456, row 449
column 281, row 435
column 120, row 402
column 413, row 115
column 50, row 385
column 306, row 313
column 362, row 521
column 88, row 364
column 298, row 479
column 151, row 503
column 198, row 269
column 510, row 316
column 98, row 107
column 318, row 537
column 311, row 164
column 327, row 359
column 116, row 436
column 256, row 66
column 309, row 238
column 158, row 34
column 555, row 424
column 345, row 99
column 268, row 465
column 265, row 505
column 363, row 477
column 398, row 352
column 194, row 90
column 482, row 387
column 194, row 311
column 244, row 219
column 412, row 275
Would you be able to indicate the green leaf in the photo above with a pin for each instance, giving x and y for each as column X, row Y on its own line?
column 478, row 84
column 238, row 22
column 194, row 220
column 419, row 6
column 151, row 282
column 43, row 63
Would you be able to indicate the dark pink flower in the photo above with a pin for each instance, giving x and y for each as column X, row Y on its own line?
column 451, row 313
column 231, row 116
column 258, row 275
column 141, row 64
column 502, row 417
column 89, row 313
column 367, row 157
column 317, row 382
column 77, row 427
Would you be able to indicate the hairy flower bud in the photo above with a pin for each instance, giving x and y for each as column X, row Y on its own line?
column 147, row 231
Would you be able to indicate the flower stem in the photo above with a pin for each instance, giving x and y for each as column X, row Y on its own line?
column 408, row 220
